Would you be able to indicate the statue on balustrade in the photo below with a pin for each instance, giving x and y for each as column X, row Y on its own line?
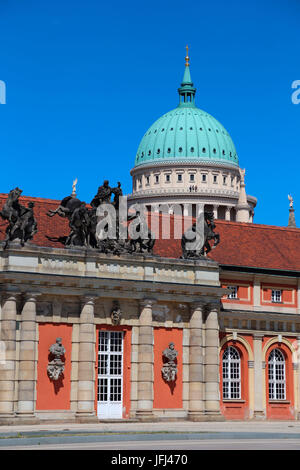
column 22, row 224
column 195, row 241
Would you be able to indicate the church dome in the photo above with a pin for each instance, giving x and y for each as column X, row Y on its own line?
column 186, row 135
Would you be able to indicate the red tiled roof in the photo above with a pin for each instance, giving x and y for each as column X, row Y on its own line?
column 261, row 246
column 248, row 245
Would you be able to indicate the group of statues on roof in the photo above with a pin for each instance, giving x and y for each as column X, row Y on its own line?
column 90, row 225
column 84, row 223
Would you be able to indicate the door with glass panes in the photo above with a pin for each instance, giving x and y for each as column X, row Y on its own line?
column 110, row 375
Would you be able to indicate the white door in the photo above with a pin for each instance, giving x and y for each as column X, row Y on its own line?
column 110, row 375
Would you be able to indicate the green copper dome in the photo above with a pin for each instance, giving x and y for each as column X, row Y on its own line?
column 186, row 135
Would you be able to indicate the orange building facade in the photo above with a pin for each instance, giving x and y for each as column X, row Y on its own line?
column 234, row 324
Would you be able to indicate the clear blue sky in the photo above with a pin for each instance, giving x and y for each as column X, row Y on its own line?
column 85, row 79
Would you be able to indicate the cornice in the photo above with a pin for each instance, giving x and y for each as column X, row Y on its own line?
column 186, row 163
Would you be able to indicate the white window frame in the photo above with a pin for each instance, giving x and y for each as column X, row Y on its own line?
column 277, row 375
column 233, row 294
column 110, row 374
column 276, row 296
column 231, row 373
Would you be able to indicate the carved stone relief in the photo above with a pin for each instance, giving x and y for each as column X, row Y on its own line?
column 116, row 313
column 160, row 313
column 44, row 308
column 70, row 309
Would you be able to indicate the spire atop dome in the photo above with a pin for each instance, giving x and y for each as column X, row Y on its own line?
column 187, row 91
column 187, row 59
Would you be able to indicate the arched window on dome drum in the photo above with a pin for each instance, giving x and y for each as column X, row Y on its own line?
column 231, row 371
column 277, row 375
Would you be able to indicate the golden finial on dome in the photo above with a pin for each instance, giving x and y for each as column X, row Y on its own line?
column 187, row 56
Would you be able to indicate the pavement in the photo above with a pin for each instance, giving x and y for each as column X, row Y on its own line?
column 161, row 426
column 179, row 435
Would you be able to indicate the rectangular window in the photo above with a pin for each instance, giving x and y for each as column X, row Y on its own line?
column 224, row 180
column 276, row 295
column 215, row 179
column 179, row 178
column 192, row 177
column 110, row 359
column 102, row 364
column 102, row 390
column 203, row 178
column 148, row 179
column 234, row 293
column 167, row 178
column 156, row 178
column 115, row 390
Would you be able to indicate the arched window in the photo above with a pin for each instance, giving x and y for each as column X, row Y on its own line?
column 231, row 366
column 277, row 376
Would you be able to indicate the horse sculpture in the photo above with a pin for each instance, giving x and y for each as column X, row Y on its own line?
column 10, row 210
column 21, row 222
column 66, row 207
column 76, row 212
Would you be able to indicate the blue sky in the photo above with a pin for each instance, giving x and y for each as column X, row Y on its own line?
column 85, row 79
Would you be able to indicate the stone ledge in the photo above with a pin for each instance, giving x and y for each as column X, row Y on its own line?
column 170, row 413
column 58, row 415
